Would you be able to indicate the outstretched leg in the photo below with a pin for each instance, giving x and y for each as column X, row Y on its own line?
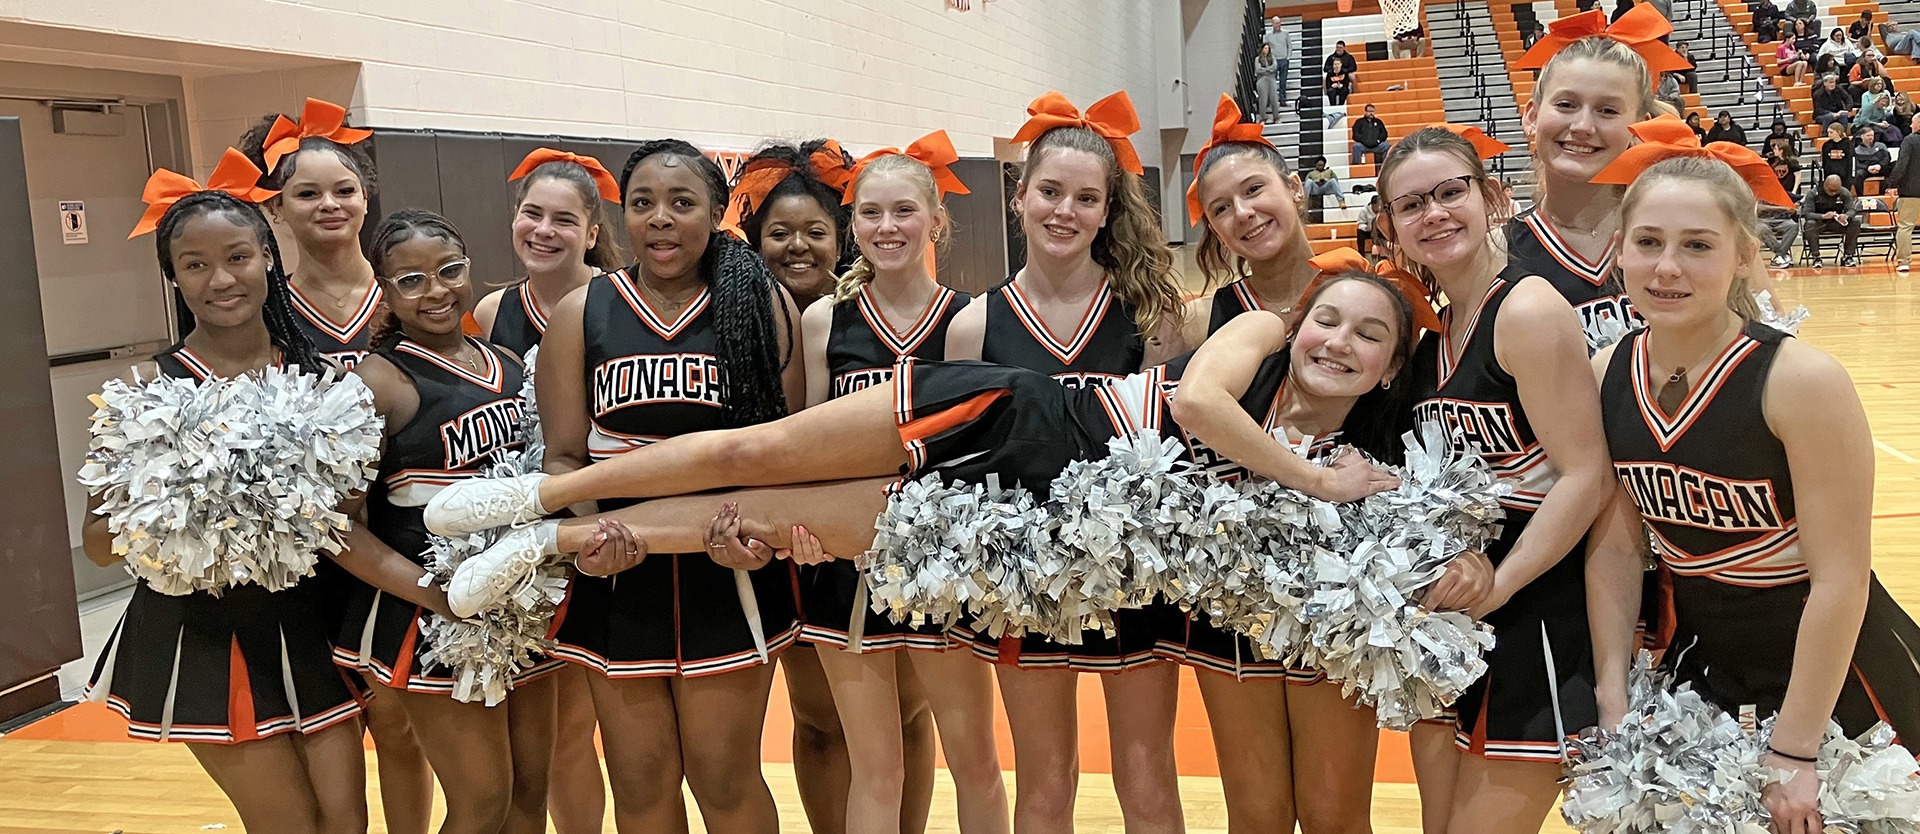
column 839, row 514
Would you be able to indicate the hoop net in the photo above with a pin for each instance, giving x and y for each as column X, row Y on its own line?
column 1402, row 16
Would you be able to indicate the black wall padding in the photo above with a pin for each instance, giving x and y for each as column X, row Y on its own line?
column 976, row 259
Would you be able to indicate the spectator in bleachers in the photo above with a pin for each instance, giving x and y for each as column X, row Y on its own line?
column 1832, row 209
column 1836, row 154
column 1266, row 87
column 1778, row 134
column 1410, row 44
column 1343, row 58
column 1369, row 137
column 1903, row 187
column 1870, row 158
column 1804, row 10
column 1876, row 111
column 1669, row 91
column 1792, row 61
column 1842, row 50
column 1780, row 227
column 1585, row 5
column 1689, row 77
column 1767, row 18
column 1831, row 104
column 1323, row 182
column 1693, row 121
column 1870, row 66
column 1339, row 85
column 1902, row 115
column 1281, row 42
column 1826, row 65
column 1513, row 203
column 1861, row 27
column 1363, row 225
column 1533, row 35
column 1620, row 7
column 1900, row 40
column 1725, row 130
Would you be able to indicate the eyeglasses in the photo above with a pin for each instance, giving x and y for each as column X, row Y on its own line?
column 452, row 275
column 1449, row 193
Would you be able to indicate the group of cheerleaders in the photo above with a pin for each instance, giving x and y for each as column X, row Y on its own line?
column 727, row 354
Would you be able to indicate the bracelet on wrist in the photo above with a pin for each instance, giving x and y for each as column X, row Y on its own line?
column 1790, row 757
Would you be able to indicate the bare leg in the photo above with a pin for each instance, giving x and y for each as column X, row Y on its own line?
column 866, row 691
column 864, row 443
column 1334, row 744
column 642, row 738
column 1043, row 713
column 819, row 745
column 1140, row 709
column 1436, row 766
column 959, row 687
column 406, row 781
column 266, row 782
column 469, row 747
column 721, row 718
column 336, row 766
column 916, row 741
column 1254, row 748
column 839, row 514
column 1493, row 797
column 577, row 791
column 532, row 720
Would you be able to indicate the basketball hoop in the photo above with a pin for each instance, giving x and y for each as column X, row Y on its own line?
column 1402, row 16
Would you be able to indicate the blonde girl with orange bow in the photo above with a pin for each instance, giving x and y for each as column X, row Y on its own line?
column 325, row 179
column 1595, row 81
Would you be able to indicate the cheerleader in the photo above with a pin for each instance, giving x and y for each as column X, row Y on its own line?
column 787, row 204
column 1253, row 234
column 1500, row 375
column 1098, row 299
column 886, row 307
column 1773, row 613
column 679, row 648
column 244, row 678
column 325, row 179
column 1595, row 80
column 562, row 235
column 451, row 403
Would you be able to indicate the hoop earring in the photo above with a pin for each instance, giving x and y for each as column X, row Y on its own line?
column 1385, row 384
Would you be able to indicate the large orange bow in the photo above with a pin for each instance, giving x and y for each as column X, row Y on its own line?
column 235, row 175
column 1228, row 127
column 320, row 118
column 1666, row 137
column 1345, row 259
column 602, row 179
column 762, row 176
column 934, row 150
column 1640, row 30
column 1112, row 117
column 1486, row 146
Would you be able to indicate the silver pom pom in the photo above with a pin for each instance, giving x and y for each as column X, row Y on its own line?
column 534, row 448
column 207, row 485
column 1789, row 323
column 1868, row 785
column 1604, row 330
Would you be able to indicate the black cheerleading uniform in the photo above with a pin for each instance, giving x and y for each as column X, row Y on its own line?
column 1229, row 302
column 1105, row 346
column 1535, row 248
column 466, row 418
column 862, row 350
column 244, row 665
column 343, row 342
column 1715, row 489
column 648, row 378
column 519, row 322
column 1510, row 713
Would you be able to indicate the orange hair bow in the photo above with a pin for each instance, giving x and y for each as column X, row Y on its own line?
column 761, row 176
column 320, row 118
column 1345, row 259
column 1486, row 146
column 1228, row 127
column 235, row 175
column 1666, row 137
column 1640, row 30
column 1112, row 117
column 602, row 178
column 934, row 150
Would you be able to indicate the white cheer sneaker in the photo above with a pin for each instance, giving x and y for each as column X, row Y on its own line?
column 489, row 577
column 469, row 506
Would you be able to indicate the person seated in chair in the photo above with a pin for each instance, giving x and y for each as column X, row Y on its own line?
column 1870, row 158
column 1832, row 209
column 1780, row 225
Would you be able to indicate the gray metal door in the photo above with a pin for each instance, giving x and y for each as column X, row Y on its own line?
column 104, row 301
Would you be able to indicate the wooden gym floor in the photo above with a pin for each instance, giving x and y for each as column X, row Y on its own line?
column 76, row 772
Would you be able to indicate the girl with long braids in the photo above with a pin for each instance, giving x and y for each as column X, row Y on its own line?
column 244, row 678
column 694, row 336
column 887, row 307
column 325, row 180
column 1507, row 372
column 788, row 202
column 1098, row 299
column 1595, row 81
column 564, row 237
column 446, row 397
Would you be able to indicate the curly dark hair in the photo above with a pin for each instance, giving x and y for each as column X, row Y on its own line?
column 400, row 227
column 800, row 183
column 277, row 312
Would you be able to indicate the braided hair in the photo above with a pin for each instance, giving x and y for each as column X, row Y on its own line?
column 743, row 290
column 277, row 312
column 400, row 227
column 801, row 182
column 253, row 145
